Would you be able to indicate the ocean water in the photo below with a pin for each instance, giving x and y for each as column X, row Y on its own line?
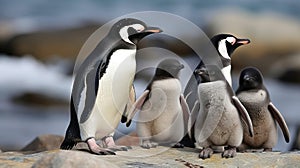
column 30, row 15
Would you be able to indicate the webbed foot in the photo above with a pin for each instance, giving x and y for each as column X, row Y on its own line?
column 148, row 144
column 96, row 149
column 267, row 149
column 110, row 144
column 178, row 145
column 229, row 152
column 206, row 153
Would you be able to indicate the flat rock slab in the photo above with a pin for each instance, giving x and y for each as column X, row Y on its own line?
column 160, row 157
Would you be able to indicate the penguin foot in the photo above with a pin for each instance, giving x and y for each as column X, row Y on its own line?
column 110, row 144
column 267, row 149
column 206, row 153
column 67, row 144
column 229, row 152
column 119, row 148
column 147, row 144
column 178, row 145
column 95, row 149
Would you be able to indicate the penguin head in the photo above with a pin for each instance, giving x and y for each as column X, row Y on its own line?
column 250, row 78
column 132, row 30
column 210, row 73
column 169, row 68
column 227, row 43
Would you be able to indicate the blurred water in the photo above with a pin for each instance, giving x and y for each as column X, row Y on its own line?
column 32, row 14
column 20, row 124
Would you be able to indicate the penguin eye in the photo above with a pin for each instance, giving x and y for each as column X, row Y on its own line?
column 231, row 40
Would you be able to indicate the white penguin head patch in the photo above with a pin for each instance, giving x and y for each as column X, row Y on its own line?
column 222, row 48
column 124, row 31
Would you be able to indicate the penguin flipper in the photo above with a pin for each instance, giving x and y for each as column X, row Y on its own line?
column 91, row 83
column 280, row 120
column 190, row 95
column 192, row 119
column 73, row 133
column 185, row 110
column 136, row 106
column 211, row 116
column 244, row 114
column 129, row 104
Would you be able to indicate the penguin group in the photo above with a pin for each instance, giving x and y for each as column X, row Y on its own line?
column 207, row 114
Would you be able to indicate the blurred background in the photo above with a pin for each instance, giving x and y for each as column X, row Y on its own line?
column 40, row 40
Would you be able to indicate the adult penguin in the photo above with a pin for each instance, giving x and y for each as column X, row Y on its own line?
column 103, row 85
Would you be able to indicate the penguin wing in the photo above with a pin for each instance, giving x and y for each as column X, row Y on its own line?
column 136, row 106
column 91, row 84
column 189, row 91
column 279, row 118
column 211, row 115
column 244, row 114
column 185, row 110
column 129, row 104
column 192, row 119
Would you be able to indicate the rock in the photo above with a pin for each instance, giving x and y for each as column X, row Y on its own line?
column 45, row 44
column 74, row 159
column 273, row 36
column 129, row 140
column 287, row 69
column 6, row 30
column 44, row 143
column 138, row 157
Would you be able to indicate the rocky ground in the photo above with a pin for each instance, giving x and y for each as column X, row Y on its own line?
column 44, row 152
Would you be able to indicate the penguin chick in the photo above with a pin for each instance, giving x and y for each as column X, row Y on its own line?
column 264, row 115
column 218, row 122
column 164, row 112
column 102, row 87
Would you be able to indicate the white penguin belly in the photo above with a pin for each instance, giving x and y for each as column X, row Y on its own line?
column 253, row 98
column 218, row 119
column 112, row 96
column 163, row 112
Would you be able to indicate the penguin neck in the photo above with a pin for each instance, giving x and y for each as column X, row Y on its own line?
column 222, row 49
column 242, row 88
column 121, row 44
column 116, row 42
column 227, row 74
column 162, row 74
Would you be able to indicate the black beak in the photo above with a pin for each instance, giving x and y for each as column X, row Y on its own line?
column 242, row 41
column 181, row 66
column 200, row 71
